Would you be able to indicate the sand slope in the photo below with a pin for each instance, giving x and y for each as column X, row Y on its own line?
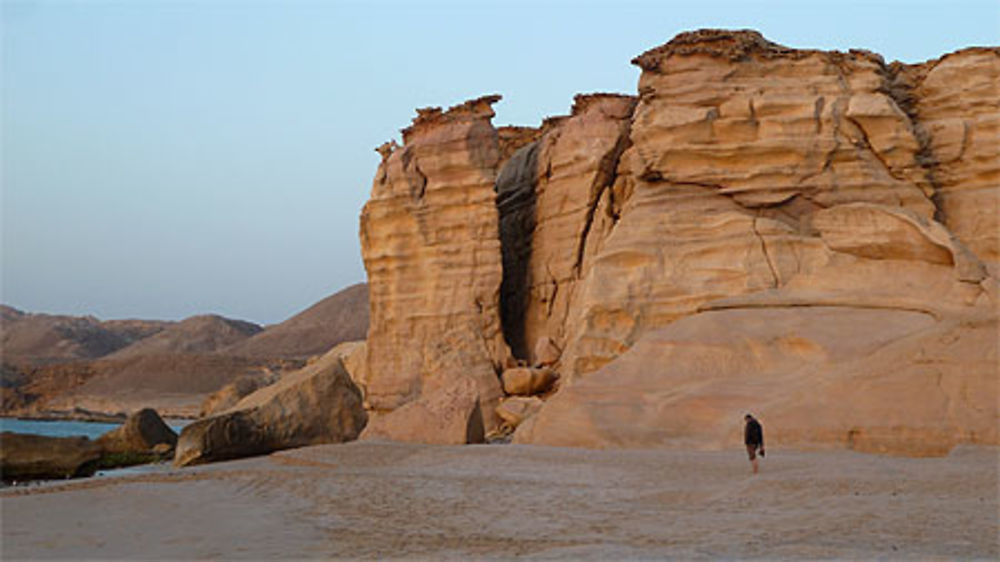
column 381, row 500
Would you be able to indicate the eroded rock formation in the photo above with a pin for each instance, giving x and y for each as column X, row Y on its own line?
column 141, row 432
column 430, row 245
column 758, row 216
column 955, row 101
column 548, row 196
column 36, row 457
column 316, row 404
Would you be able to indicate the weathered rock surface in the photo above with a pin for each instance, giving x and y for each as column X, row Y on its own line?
column 452, row 415
column 141, row 432
column 735, row 144
column 548, row 195
column 430, row 246
column 354, row 354
column 317, row 404
column 546, row 353
column 956, row 102
column 36, row 457
column 527, row 381
column 230, row 394
column 780, row 190
column 516, row 409
column 874, row 380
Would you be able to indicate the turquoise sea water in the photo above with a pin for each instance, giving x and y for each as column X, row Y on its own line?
column 61, row 428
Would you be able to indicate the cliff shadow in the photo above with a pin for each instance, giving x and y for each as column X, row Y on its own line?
column 515, row 200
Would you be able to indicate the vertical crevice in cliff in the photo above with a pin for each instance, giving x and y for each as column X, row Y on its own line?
column 604, row 180
column 767, row 254
column 515, row 199
column 898, row 82
column 416, row 180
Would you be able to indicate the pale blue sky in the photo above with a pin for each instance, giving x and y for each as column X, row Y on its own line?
column 162, row 159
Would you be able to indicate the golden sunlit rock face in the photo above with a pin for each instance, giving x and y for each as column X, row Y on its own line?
column 430, row 244
column 808, row 235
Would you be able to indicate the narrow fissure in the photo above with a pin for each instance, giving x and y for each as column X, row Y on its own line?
column 767, row 254
column 607, row 172
column 899, row 88
column 415, row 178
column 515, row 199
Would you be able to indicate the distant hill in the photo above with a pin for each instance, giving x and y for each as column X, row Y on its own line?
column 58, row 363
column 340, row 317
column 38, row 339
column 197, row 334
column 174, row 384
column 10, row 314
column 134, row 330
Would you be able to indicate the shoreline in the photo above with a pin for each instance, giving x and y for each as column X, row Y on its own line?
column 87, row 416
column 394, row 500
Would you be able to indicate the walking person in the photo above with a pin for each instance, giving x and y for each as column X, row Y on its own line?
column 753, row 437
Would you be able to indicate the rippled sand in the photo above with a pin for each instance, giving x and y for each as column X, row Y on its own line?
column 382, row 500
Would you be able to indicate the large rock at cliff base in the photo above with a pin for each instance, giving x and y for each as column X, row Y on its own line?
column 452, row 415
column 527, row 381
column 317, row 404
column 516, row 409
column 141, row 431
column 880, row 380
column 36, row 457
column 229, row 395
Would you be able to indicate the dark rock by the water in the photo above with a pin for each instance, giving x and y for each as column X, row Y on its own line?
column 141, row 432
column 36, row 457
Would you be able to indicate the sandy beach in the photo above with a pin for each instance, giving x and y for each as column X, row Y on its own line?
column 396, row 501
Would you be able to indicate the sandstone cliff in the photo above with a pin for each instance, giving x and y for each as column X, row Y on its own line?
column 758, row 217
column 430, row 246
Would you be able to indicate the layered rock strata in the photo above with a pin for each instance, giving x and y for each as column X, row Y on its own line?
column 956, row 103
column 751, row 192
column 548, row 196
column 431, row 250
column 869, row 379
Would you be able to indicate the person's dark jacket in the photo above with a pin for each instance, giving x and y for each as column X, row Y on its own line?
column 754, row 434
